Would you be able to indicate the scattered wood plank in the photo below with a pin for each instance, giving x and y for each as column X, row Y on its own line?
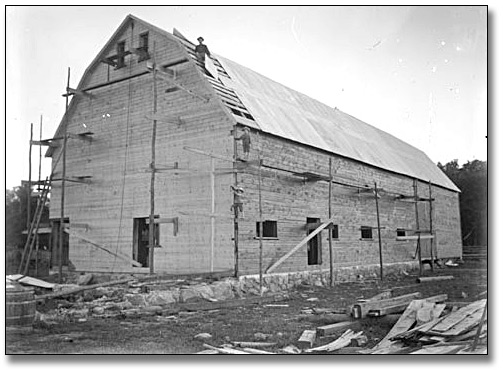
column 28, row 280
column 228, row 351
column 82, row 288
column 334, row 328
column 255, row 351
column 428, row 279
column 365, row 307
column 343, row 341
column 440, row 350
column 253, row 344
column 402, row 306
column 307, row 337
column 454, row 318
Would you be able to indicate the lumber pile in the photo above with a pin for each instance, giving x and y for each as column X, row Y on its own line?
column 422, row 329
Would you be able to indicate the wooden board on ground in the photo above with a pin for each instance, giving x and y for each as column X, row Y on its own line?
column 307, row 338
column 334, row 328
column 427, row 279
column 365, row 307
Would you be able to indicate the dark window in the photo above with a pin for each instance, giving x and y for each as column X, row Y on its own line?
column 143, row 49
column 121, row 54
column 141, row 233
column 269, row 229
column 366, row 232
column 335, row 231
column 401, row 232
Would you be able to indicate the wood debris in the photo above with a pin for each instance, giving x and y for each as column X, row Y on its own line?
column 343, row 341
column 422, row 326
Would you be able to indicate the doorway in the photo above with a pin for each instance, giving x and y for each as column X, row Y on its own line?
column 141, row 233
column 313, row 245
column 54, row 243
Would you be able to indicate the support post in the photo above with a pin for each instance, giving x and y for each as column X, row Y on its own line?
column 63, row 176
column 432, row 254
column 151, row 237
column 236, row 212
column 40, row 156
column 418, row 250
column 330, row 247
column 261, row 226
column 28, row 204
column 378, row 229
column 212, row 217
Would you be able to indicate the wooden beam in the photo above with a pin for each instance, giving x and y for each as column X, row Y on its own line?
column 298, row 246
column 325, row 330
column 70, row 91
column 427, row 279
column 415, row 237
column 82, row 288
column 202, row 152
column 44, row 143
column 169, row 79
column 103, row 248
column 365, row 307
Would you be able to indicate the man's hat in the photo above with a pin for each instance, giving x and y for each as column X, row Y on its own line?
column 247, row 129
column 200, row 38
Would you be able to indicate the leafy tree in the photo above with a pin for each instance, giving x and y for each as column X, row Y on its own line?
column 16, row 212
column 471, row 179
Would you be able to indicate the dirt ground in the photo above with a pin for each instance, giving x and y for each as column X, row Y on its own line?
column 174, row 334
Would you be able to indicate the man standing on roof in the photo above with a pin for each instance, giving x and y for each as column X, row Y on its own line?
column 202, row 50
column 246, row 139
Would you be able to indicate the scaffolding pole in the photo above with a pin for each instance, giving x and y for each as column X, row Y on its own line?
column 236, row 211
column 431, row 228
column 28, row 204
column 418, row 249
column 63, row 175
column 330, row 247
column 261, row 226
column 151, row 239
column 378, row 229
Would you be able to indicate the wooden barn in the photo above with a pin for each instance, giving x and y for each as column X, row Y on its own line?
column 151, row 159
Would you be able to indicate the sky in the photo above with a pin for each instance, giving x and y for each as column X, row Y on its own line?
column 419, row 73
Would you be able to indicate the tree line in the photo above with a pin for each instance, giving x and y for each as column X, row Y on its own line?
column 471, row 179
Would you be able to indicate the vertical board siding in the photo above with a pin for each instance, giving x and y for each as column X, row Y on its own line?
column 290, row 200
column 118, row 158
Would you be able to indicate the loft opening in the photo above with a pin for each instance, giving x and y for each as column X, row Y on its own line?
column 143, row 48
column 269, row 229
column 121, row 54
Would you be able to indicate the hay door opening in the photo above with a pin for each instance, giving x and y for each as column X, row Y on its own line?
column 313, row 245
column 141, row 249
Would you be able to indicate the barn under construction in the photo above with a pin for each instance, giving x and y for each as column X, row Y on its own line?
column 169, row 161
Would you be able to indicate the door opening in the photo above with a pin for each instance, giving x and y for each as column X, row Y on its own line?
column 313, row 245
column 141, row 250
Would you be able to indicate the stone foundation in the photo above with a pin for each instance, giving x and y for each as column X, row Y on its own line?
column 288, row 280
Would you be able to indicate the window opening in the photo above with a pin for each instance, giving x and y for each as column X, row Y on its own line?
column 121, row 54
column 269, row 229
column 143, row 49
column 366, row 232
column 335, row 231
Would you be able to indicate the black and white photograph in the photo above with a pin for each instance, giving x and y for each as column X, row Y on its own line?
column 294, row 180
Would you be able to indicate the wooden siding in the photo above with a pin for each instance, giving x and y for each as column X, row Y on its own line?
column 118, row 158
column 290, row 200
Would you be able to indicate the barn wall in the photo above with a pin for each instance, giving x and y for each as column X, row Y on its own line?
column 118, row 158
column 289, row 200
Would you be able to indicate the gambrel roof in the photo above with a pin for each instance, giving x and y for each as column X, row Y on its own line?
column 278, row 110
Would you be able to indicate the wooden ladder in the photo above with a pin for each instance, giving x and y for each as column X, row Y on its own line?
column 33, row 230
